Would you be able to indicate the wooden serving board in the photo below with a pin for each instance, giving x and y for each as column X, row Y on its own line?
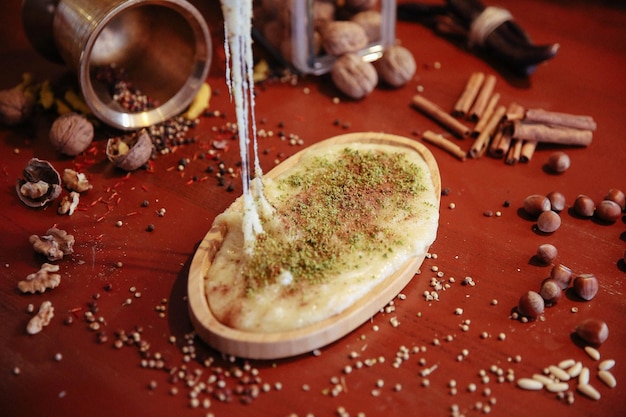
column 291, row 343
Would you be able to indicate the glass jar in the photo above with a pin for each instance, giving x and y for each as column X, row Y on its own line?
column 292, row 30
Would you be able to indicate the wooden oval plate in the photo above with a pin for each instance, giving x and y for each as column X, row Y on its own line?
column 291, row 343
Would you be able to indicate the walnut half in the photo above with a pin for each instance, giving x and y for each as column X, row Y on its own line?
column 41, row 280
column 41, row 319
column 55, row 244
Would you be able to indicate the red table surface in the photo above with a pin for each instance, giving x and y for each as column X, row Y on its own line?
column 97, row 379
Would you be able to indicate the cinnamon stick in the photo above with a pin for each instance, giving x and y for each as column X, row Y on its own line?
column 445, row 144
column 504, row 144
column 560, row 119
column 482, row 99
column 551, row 134
column 480, row 144
column 468, row 95
column 494, row 146
column 515, row 112
column 514, row 152
column 482, row 122
column 527, row 151
column 435, row 112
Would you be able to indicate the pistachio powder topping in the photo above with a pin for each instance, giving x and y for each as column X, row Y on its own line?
column 331, row 210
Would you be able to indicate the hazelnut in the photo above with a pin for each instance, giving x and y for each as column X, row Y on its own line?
column 535, row 204
column 617, row 196
column 16, row 106
column 130, row 152
column 593, row 331
column 547, row 253
column 397, row 66
column 550, row 291
column 353, row 76
column 584, row 206
column 586, row 286
column 558, row 162
column 531, row 305
column 608, row 211
column 548, row 221
column 561, row 274
column 557, row 201
column 71, row 134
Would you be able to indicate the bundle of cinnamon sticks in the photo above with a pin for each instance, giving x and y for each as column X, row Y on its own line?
column 510, row 132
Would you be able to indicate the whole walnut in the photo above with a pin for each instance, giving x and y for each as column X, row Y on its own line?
column 342, row 37
column 360, row 5
column 16, row 106
column 71, row 134
column 370, row 21
column 323, row 13
column 397, row 66
column 352, row 75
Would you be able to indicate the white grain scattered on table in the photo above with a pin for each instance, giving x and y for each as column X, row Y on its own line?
column 608, row 378
column 589, row 391
column 529, row 384
column 592, row 352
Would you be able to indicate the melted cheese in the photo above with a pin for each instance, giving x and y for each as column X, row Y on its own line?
column 239, row 77
column 290, row 301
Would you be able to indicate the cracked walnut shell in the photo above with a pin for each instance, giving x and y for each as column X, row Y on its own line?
column 41, row 183
column 130, row 152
